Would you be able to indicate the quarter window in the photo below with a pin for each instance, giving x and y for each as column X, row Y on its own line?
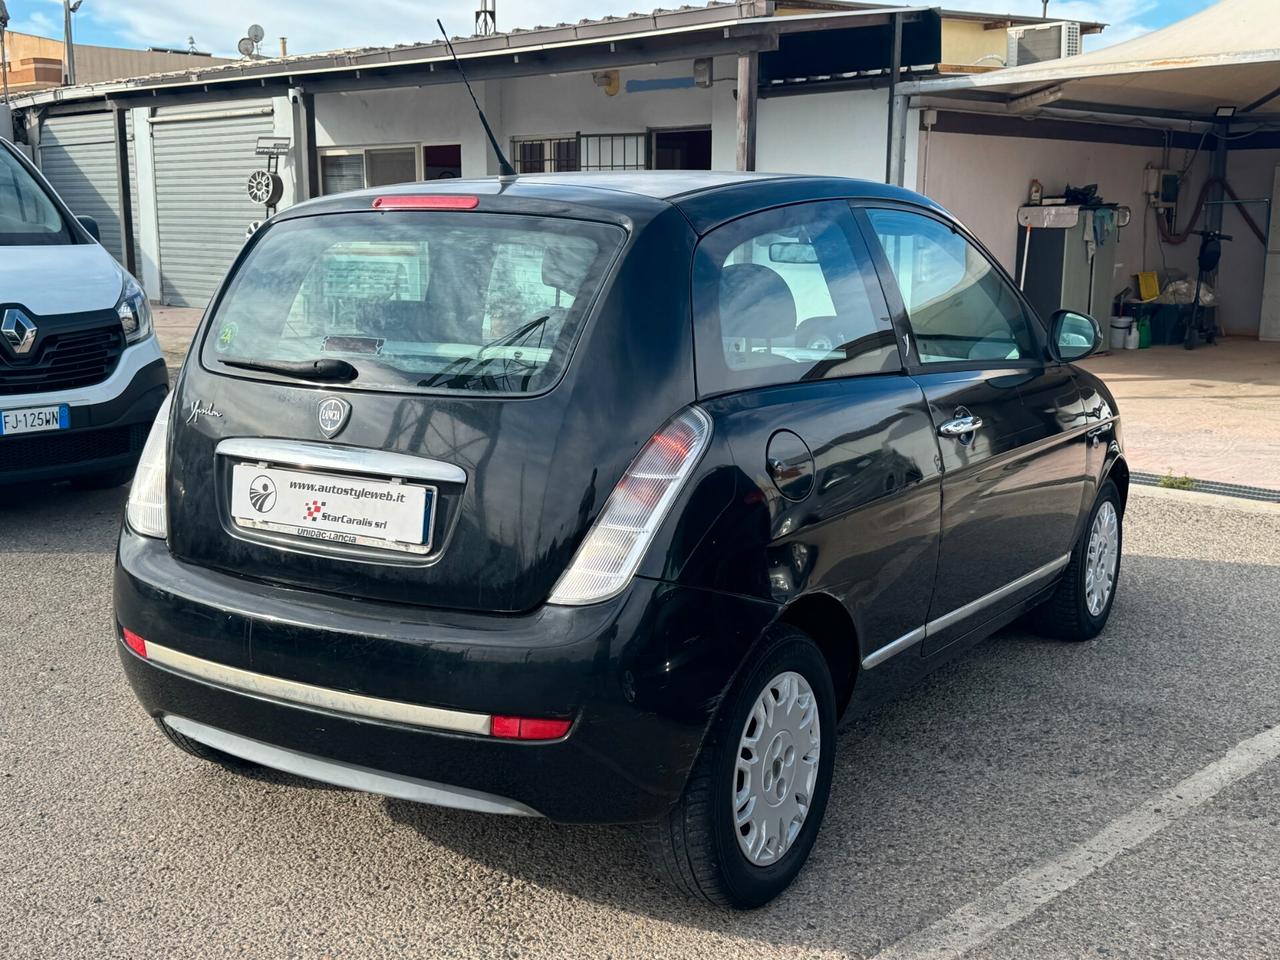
column 785, row 296
column 960, row 308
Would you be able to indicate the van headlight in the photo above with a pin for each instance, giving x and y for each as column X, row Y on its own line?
column 146, row 509
column 134, row 311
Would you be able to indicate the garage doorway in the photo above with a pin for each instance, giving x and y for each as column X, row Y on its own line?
column 686, row 148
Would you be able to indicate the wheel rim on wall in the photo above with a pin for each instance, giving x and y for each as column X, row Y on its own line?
column 776, row 768
column 1102, row 558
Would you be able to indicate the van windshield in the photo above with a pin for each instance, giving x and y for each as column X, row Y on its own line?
column 28, row 217
column 415, row 300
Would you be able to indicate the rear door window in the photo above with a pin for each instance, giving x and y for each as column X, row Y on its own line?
column 415, row 300
column 788, row 295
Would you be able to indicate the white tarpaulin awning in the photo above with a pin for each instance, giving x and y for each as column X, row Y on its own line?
column 1225, row 55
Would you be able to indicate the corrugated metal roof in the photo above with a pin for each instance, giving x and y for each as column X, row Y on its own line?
column 516, row 40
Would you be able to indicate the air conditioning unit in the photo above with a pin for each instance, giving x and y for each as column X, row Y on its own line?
column 1044, row 41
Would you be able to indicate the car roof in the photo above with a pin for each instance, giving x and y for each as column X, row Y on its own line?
column 706, row 198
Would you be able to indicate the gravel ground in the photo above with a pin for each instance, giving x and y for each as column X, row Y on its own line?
column 117, row 845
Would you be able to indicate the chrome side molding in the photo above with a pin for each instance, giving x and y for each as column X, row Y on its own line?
column 938, row 624
column 329, row 456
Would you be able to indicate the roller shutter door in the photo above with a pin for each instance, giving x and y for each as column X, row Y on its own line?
column 202, row 166
column 78, row 156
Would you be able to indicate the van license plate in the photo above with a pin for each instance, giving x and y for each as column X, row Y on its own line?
column 346, row 511
column 35, row 419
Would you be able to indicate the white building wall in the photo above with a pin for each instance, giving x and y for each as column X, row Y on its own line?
column 983, row 180
column 440, row 113
column 838, row 134
column 572, row 103
column 1251, row 174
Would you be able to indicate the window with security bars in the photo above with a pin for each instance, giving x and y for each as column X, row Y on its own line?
column 545, row 154
column 614, row 151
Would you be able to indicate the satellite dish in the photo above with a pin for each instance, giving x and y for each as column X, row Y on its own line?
column 256, row 33
column 246, row 47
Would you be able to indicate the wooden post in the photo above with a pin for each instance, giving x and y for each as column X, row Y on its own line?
column 748, row 81
column 895, row 68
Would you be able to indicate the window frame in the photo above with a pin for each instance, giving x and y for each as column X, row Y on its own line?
column 364, row 149
column 868, row 269
column 897, row 303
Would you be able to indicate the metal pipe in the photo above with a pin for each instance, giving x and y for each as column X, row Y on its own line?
column 895, row 70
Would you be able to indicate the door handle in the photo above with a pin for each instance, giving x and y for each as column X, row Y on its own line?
column 960, row 426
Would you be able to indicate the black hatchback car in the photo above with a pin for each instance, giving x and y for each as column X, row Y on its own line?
column 604, row 497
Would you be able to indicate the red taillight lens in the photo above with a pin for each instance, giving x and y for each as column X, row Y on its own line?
column 440, row 202
column 134, row 642
column 524, row 728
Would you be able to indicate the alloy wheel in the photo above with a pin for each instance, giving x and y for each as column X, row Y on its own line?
column 776, row 769
column 1102, row 558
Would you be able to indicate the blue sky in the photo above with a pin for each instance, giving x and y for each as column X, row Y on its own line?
column 313, row 25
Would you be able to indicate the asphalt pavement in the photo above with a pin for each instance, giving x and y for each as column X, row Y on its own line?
column 1036, row 799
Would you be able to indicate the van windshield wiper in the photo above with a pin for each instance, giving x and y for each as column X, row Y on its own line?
column 327, row 368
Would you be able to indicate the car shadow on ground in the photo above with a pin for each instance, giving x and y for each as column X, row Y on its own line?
column 990, row 765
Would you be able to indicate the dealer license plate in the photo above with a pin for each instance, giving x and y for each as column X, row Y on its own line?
column 349, row 511
column 35, row 419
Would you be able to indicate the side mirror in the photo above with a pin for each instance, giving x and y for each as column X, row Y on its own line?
column 91, row 225
column 1073, row 336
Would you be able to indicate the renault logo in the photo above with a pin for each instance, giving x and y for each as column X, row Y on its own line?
column 332, row 414
column 19, row 330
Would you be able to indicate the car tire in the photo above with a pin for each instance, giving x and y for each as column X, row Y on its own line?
column 696, row 847
column 198, row 749
column 1076, row 610
column 104, row 480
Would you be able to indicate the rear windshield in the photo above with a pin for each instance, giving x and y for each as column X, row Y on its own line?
column 416, row 300
column 28, row 217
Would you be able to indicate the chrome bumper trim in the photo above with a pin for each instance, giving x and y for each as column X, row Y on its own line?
column 322, row 698
column 346, row 774
column 328, row 456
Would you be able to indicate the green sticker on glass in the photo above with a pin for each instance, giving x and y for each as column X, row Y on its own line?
column 226, row 336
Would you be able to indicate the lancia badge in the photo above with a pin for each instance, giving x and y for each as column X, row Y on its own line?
column 333, row 414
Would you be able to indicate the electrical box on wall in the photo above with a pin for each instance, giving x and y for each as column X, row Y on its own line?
column 1161, row 187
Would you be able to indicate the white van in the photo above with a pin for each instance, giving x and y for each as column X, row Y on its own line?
column 81, row 374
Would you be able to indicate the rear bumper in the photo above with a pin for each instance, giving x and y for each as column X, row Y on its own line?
column 108, row 427
column 639, row 676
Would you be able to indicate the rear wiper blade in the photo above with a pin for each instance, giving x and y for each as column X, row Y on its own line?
column 327, row 368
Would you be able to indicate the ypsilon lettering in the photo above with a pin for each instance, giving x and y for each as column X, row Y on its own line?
column 199, row 410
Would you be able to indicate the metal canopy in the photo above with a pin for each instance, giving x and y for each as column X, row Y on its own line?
column 1225, row 55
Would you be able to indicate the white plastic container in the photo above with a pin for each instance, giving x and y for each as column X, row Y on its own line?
column 1120, row 327
column 1131, row 338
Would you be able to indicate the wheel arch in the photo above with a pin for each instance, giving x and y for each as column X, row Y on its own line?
column 1117, row 471
column 827, row 622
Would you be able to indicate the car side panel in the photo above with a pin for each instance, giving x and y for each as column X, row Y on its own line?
column 867, row 532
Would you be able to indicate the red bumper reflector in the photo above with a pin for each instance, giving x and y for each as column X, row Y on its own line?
column 441, row 202
column 523, row 728
column 135, row 642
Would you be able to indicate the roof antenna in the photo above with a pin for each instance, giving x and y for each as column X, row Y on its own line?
column 506, row 172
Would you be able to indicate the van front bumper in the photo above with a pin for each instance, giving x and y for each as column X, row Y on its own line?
column 396, row 699
column 109, row 422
